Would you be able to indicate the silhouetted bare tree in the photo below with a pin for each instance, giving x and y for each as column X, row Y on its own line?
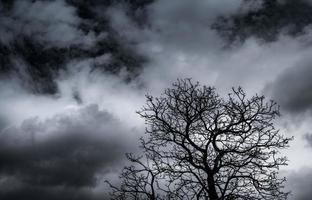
column 201, row 146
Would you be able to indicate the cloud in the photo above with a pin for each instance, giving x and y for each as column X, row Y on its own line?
column 266, row 21
column 36, row 43
column 56, row 144
column 38, row 20
column 38, row 193
column 292, row 88
column 180, row 24
column 72, row 150
column 185, row 24
column 180, row 42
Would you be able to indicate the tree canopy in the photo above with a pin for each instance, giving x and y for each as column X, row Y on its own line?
column 199, row 145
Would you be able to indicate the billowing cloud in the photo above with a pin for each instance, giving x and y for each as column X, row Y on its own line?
column 181, row 45
column 68, row 151
column 292, row 88
column 38, row 20
column 180, row 25
column 39, row 38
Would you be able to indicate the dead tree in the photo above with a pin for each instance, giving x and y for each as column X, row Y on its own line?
column 207, row 147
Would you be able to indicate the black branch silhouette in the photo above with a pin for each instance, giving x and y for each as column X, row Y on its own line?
column 201, row 146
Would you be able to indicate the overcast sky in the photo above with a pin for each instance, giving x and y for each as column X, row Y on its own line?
column 74, row 72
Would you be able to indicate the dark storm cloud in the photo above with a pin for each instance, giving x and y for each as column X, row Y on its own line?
column 67, row 153
column 292, row 89
column 40, row 193
column 35, row 37
column 268, row 21
column 45, row 35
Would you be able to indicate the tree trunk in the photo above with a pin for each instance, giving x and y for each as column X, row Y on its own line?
column 213, row 195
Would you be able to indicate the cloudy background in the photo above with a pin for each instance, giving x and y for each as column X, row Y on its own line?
column 73, row 73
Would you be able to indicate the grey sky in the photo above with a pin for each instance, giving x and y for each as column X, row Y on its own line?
column 102, row 58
